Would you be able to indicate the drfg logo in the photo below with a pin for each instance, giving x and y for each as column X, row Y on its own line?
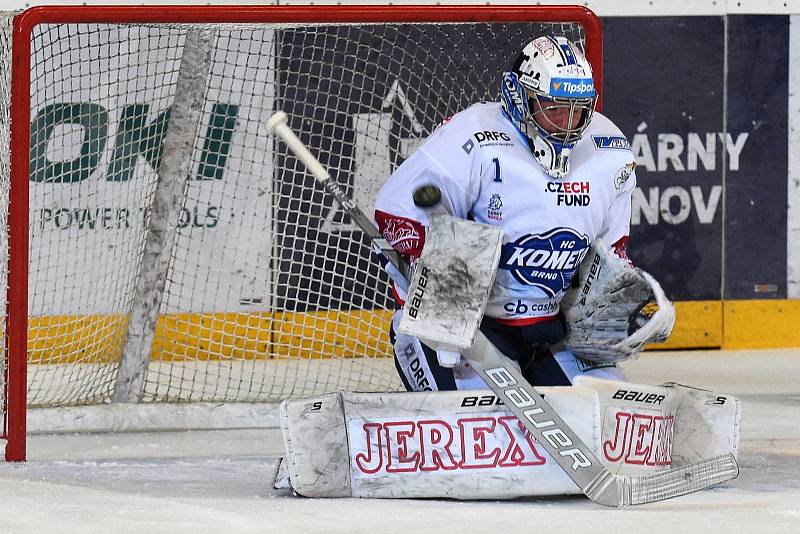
column 491, row 136
column 69, row 139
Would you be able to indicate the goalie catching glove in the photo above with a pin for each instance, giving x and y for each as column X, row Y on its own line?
column 615, row 309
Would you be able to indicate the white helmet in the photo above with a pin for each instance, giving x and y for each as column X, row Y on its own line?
column 551, row 77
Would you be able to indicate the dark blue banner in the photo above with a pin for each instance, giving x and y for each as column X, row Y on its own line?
column 665, row 92
column 756, row 191
column 668, row 94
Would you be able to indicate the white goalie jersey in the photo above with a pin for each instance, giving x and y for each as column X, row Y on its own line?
column 486, row 172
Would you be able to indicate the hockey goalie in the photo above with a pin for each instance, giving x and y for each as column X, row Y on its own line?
column 515, row 217
column 464, row 443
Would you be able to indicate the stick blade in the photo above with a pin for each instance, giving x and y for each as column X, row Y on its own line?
column 679, row 481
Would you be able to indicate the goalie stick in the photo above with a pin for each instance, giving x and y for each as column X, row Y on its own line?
column 505, row 380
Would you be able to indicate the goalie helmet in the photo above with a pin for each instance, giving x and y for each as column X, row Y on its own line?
column 549, row 96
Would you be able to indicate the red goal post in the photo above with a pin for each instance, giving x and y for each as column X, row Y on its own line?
column 65, row 132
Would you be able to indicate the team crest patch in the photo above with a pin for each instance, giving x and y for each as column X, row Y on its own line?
column 545, row 47
column 614, row 142
column 495, row 211
column 547, row 261
column 624, row 174
column 468, row 146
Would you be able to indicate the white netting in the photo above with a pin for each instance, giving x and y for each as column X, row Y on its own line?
column 270, row 293
column 6, row 20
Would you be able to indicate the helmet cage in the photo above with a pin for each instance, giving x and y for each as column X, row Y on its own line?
column 574, row 114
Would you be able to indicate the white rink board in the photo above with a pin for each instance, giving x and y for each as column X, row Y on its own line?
column 109, row 215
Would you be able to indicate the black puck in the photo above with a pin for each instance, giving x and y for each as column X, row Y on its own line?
column 427, row 196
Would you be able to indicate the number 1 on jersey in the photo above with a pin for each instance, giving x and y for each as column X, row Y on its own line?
column 497, row 177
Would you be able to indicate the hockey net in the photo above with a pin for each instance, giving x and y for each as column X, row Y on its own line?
column 176, row 251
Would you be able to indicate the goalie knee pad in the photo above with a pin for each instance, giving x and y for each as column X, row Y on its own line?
column 466, row 445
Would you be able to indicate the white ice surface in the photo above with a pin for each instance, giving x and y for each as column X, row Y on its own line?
column 220, row 481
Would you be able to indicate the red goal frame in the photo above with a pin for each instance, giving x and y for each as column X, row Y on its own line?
column 14, row 422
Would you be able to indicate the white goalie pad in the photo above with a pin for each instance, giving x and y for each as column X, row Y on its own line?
column 701, row 412
column 451, row 283
column 464, row 445
column 615, row 309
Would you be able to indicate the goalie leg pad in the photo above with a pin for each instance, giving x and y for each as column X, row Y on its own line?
column 468, row 447
column 710, row 424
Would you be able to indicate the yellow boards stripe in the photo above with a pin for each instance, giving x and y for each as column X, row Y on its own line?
column 698, row 324
column 760, row 324
column 735, row 324
column 64, row 339
column 353, row 334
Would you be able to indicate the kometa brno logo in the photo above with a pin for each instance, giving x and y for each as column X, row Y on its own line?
column 547, row 261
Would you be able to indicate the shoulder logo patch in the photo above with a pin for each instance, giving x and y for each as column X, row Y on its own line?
column 614, row 142
column 623, row 174
column 495, row 210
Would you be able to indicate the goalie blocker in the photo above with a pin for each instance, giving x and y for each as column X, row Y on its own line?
column 346, row 444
